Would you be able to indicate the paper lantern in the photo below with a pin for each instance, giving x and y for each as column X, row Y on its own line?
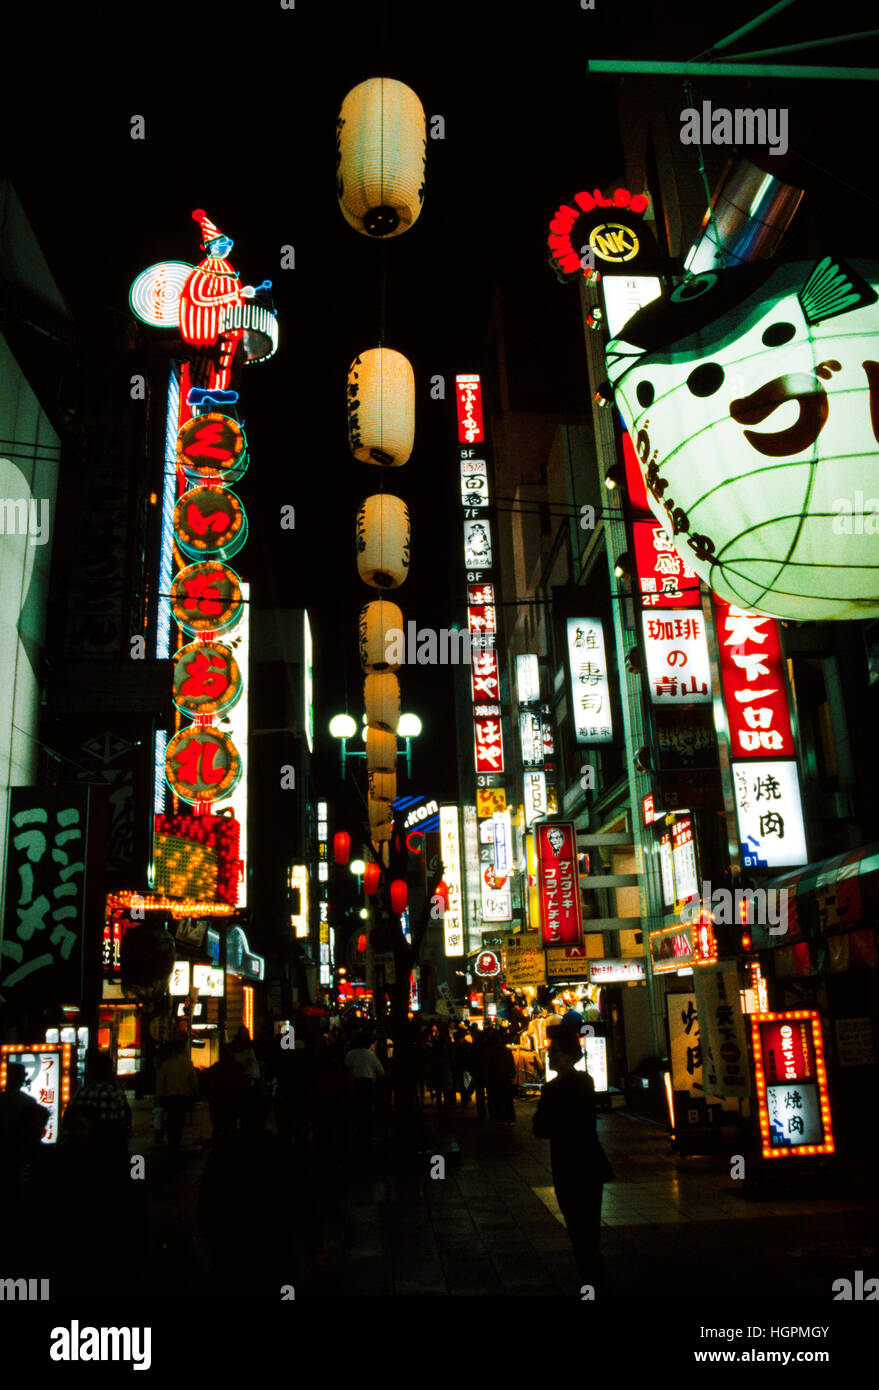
column 381, row 819
column 341, row 846
column 399, row 895
column 381, row 698
column 381, row 751
column 381, row 407
column 383, row 541
column 442, row 891
column 378, row 619
column 772, row 518
column 371, row 877
column 361, row 942
column 381, row 154
column 382, row 785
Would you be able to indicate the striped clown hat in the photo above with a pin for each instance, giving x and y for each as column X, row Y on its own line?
column 209, row 230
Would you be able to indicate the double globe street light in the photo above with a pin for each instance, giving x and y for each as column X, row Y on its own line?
column 343, row 727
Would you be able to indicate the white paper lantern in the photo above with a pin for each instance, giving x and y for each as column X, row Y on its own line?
column 382, row 785
column 381, row 154
column 383, row 541
column 381, row 700
column 377, row 620
column 381, row 751
column 381, row 407
column 752, row 399
column 381, row 819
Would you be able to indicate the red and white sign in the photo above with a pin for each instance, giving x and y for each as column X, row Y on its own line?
column 558, row 884
column 678, row 670
column 468, row 398
column 664, row 578
column 754, row 692
column 489, row 741
column 722, row 1028
column 683, row 851
column 616, row 972
column 479, row 595
column 484, row 676
column 792, row 1097
column 487, row 963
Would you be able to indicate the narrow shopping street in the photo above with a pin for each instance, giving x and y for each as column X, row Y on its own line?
column 677, row 1226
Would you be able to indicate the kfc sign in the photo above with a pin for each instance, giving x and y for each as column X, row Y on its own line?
column 754, row 693
column 558, row 884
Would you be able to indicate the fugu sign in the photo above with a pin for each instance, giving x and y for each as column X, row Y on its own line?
column 752, row 399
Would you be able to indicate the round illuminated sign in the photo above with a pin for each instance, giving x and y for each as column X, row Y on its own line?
column 493, row 879
column 487, row 963
column 155, row 294
column 202, row 764
column 209, row 521
column 207, row 679
column 611, row 241
column 614, row 240
column 206, row 598
column 213, row 446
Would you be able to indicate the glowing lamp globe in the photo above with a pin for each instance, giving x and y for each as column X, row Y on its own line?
column 399, row 895
column 371, row 878
column 382, row 540
column 752, row 399
column 357, row 867
column 381, row 407
column 409, row 726
column 381, row 154
column 343, row 726
column 341, row 846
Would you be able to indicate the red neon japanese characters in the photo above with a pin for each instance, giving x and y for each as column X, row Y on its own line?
column 665, row 580
column 468, row 397
column 489, row 739
column 207, row 678
column 206, row 597
column 202, row 764
column 754, row 692
column 558, row 884
column 212, row 446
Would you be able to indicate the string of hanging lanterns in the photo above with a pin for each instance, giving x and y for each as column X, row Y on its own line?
column 381, row 154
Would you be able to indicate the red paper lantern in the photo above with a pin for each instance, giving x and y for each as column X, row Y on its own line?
column 341, row 846
column 442, row 891
column 371, row 877
column 361, row 942
column 399, row 895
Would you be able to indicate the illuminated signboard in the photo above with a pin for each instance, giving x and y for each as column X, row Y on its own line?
column 608, row 228
column 202, row 764
column 154, row 296
column 722, row 1028
column 590, row 693
column 558, row 884
column 210, row 523
column 496, row 905
column 678, row 669
column 666, row 869
column 468, row 396
column 683, row 851
column 770, row 814
column 754, row 693
column 624, row 295
column 474, row 483
column 482, row 596
column 179, row 982
column 207, row 980
column 671, row 948
column 47, row 1078
column 485, row 678
column 528, row 679
column 489, row 741
column 450, row 854
column 616, row 972
column 207, row 679
column 792, row 1097
column 665, row 580
column 212, row 446
column 503, row 841
column 531, row 738
column 299, row 881
column 477, row 545
column 206, row 597
column 308, row 683
column 534, row 783
column 489, row 800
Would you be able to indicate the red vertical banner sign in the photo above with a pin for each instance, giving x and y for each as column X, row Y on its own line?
column 754, row 692
column 558, row 884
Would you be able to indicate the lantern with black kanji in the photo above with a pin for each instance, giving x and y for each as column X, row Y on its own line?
column 381, row 751
column 381, row 697
column 381, row 154
column 381, row 636
column 341, row 846
column 383, row 541
column 381, row 407
column 381, row 820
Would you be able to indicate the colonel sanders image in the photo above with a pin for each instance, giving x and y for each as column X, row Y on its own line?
column 752, row 400
column 556, row 840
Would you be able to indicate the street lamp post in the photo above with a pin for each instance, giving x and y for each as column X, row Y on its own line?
column 343, row 727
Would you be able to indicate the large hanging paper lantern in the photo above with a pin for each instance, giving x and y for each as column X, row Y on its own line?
column 371, row 877
column 382, row 785
column 341, row 846
column 381, row 407
column 399, row 895
column 381, row 751
column 752, row 399
column 378, row 619
column 381, row 698
column 383, row 541
column 381, row 154
column 381, row 820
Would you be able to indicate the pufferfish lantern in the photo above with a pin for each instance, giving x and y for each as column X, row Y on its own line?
column 768, row 517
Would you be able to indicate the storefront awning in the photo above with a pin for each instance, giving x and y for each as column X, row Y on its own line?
column 829, row 896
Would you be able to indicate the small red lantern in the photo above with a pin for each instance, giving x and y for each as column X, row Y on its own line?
column 361, row 942
column 442, row 891
column 399, row 895
column 341, row 846
column 371, row 877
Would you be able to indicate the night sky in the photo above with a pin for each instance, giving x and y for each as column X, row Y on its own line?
column 240, row 107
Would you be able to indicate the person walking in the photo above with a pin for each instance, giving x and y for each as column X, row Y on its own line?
column 107, row 1104
column 176, row 1089
column 365, row 1070
column 566, row 1117
column 226, row 1091
column 462, row 1071
column 477, row 1069
column 500, row 1075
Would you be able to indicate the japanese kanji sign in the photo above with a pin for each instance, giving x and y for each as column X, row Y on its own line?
column 664, row 578
column 207, row 679
column 590, row 693
column 724, row 1049
column 41, row 950
column 450, row 853
column 792, row 1099
column 558, row 884
column 468, row 397
column 754, row 693
column 678, row 670
column 47, row 1078
column 474, row 483
column 209, row 523
column 212, row 446
column 489, row 742
column 770, row 814
column 685, row 1046
column 484, row 676
column 206, row 597
column 202, row 764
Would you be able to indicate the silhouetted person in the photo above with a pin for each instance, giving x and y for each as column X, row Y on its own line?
column 22, row 1122
column 226, row 1091
column 106, row 1103
column 176, row 1089
column 477, row 1069
column 566, row 1117
column 500, row 1076
column 332, row 1090
column 366, row 1070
